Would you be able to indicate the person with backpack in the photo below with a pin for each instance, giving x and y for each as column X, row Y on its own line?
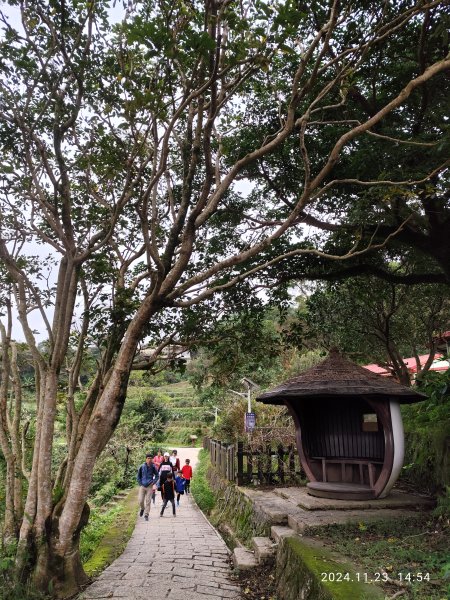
column 164, row 469
column 179, row 486
column 146, row 477
column 168, row 494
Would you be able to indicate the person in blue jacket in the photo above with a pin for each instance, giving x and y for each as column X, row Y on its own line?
column 147, row 476
column 180, row 483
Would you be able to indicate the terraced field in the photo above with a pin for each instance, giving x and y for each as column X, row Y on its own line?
column 187, row 417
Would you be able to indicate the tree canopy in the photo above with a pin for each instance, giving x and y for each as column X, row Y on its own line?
column 380, row 321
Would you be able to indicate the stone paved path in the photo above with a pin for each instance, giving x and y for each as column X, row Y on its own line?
column 181, row 557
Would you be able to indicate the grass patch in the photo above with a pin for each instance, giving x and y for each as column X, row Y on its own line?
column 419, row 545
column 200, row 488
column 99, row 524
column 183, row 387
column 105, row 538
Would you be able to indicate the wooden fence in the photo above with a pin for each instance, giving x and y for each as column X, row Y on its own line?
column 245, row 465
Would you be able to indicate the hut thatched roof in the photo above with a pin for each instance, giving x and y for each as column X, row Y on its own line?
column 338, row 376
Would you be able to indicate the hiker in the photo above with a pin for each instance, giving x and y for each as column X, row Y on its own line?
column 187, row 474
column 175, row 461
column 146, row 477
column 168, row 494
column 157, row 460
column 165, row 469
column 180, row 482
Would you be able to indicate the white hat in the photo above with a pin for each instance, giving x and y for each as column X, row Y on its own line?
column 166, row 454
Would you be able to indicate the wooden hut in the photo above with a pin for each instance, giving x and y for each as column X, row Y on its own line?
column 349, row 427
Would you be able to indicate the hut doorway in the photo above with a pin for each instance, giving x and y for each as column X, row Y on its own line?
column 342, row 443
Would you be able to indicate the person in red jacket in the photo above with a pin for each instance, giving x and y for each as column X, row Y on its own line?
column 187, row 474
column 157, row 460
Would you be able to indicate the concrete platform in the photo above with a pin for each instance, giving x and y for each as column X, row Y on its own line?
column 396, row 500
column 295, row 510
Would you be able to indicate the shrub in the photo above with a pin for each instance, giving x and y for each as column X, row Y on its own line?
column 105, row 493
column 200, row 487
column 105, row 469
column 11, row 588
column 427, row 423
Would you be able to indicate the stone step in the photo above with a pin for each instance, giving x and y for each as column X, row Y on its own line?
column 299, row 497
column 244, row 559
column 297, row 523
column 263, row 547
column 281, row 531
column 301, row 520
column 274, row 513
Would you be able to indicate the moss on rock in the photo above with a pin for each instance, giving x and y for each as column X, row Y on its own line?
column 303, row 572
column 113, row 543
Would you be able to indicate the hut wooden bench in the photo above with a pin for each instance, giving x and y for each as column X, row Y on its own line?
column 361, row 463
column 345, row 484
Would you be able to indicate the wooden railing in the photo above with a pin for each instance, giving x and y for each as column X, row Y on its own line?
column 245, row 465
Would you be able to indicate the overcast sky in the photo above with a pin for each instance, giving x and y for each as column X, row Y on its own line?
column 12, row 13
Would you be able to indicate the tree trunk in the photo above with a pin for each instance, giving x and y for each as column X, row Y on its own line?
column 65, row 572
column 9, row 523
column 70, row 517
column 10, row 413
column 34, row 555
column 52, row 540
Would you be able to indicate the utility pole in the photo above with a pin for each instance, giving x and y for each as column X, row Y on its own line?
column 250, row 421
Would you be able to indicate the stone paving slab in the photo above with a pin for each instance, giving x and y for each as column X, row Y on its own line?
column 173, row 558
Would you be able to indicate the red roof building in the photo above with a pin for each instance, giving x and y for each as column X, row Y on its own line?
column 437, row 365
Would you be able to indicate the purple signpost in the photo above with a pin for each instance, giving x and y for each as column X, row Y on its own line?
column 250, row 421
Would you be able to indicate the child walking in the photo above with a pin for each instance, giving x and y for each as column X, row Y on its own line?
column 168, row 494
column 179, row 486
column 187, row 474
